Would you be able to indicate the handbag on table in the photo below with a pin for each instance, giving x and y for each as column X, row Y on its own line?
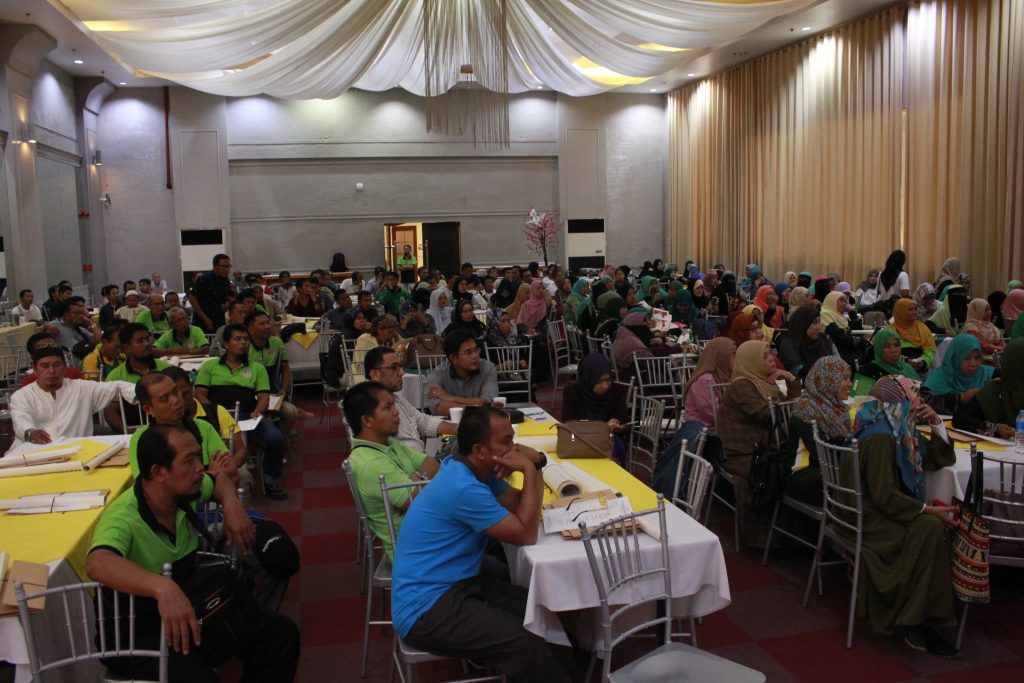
column 584, row 439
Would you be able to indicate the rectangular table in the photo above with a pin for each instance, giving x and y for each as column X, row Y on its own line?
column 60, row 540
column 557, row 573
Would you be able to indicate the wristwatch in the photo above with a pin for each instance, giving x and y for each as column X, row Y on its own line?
column 541, row 461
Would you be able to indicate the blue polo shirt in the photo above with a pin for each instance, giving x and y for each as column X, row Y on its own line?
column 442, row 540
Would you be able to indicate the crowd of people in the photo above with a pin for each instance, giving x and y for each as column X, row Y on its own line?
column 812, row 340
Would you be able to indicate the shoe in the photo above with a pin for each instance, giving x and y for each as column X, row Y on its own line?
column 927, row 639
column 913, row 636
column 276, row 492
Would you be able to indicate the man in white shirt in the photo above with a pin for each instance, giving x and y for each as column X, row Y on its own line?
column 131, row 309
column 25, row 311
column 53, row 406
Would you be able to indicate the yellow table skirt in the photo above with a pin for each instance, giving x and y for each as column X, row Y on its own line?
column 46, row 537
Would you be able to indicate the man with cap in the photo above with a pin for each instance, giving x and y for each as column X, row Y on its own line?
column 54, row 406
column 132, row 308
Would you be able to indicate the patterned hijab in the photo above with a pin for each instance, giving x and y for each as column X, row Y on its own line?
column 892, row 415
column 820, row 400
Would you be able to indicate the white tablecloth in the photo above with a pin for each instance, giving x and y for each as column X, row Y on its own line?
column 951, row 482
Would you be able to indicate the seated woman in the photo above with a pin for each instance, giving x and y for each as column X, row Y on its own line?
column 799, row 296
column 650, row 292
column 979, row 324
column 465, row 319
column 534, row 310
column 924, row 299
column 594, row 396
column 501, row 331
column 888, row 360
column 916, row 340
column 839, row 327
column 636, row 340
column 958, row 377
column 826, row 387
column 612, row 310
column 745, row 424
column 629, row 295
column 767, row 300
column 907, row 583
column 758, row 314
column 867, row 292
column 504, row 295
column 439, row 312
column 576, row 300
column 683, row 309
column 804, row 343
column 714, row 367
column 782, row 290
column 993, row 410
column 1012, row 307
column 951, row 313
column 383, row 331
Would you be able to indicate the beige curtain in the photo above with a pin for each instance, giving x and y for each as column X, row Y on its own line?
column 965, row 142
column 793, row 160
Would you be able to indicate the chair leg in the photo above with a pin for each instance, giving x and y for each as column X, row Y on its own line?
column 963, row 624
column 853, row 600
column 771, row 530
column 366, row 630
column 736, row 526
column 693, row 631
column 816, row 564
column 590, row 667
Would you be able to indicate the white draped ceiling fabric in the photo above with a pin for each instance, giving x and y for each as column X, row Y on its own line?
column 319, row 48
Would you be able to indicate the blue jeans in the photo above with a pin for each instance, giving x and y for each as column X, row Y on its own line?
column 270, row 438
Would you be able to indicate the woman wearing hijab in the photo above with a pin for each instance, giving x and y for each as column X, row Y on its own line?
column 949, row 274
column 683, row 309
column 586, row 317
column 893, row 280
column 612, row 309
column 906, row 554
column 534, row 310
column 1012, row 308
column 826, row 388
column 804, row 280
column 726, row 293
column 952, row 311
column 594, row 396
column 383, row 332
column 464, row 318
column 800, row 296
column 758, row 314
column 958, row 377
column 995, row 302
column 576, row 300
column 505, row 294
column 916, row 340
column 821, row 289
column 838, row 327
column 714, row 367
column 439, row 312
column 636, row 340
column 789, row 279
column 650, row 292
column 924, row 298
column 804, row 343
column 782, row 291
column 745, row 424
column 522, row 296
column 867, row 291
column 767, row 300
column 460, row 291
column 751, row 273
column 888, row 360
column 993, row 410
column 743, row 328
column 979, row 323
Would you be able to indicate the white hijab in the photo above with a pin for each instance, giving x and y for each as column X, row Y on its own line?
column 442, row 316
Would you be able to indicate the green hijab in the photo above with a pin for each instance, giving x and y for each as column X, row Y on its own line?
column 900, row 367
column 947, row 378
column 609, row 304
column 1002, row 399
column 645, row 288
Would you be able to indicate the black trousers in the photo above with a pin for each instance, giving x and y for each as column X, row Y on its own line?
column 271, row 657
column 482, row 619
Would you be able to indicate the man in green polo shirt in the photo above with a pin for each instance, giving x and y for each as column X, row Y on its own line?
column 392, row 296
column 154, row 317
column 147, row 527
column 137, row 346
column 270, row 352
column 183, row 338
column 233, row 378
column 371, row 412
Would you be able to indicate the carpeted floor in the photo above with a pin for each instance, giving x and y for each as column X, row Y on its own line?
column 764, row 627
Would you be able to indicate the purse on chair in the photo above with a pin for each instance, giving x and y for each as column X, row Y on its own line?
column 422, row 345
column 971, row 543
column 584, row 439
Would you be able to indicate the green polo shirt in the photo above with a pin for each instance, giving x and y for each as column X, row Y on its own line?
column 129, row 528
column 124, row 373
column 156, row 326
column 196, row 339
column 208, row 438
column 226, row 386
column 268, row 355
column 397, row 462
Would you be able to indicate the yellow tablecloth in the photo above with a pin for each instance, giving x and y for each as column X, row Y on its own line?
column 305, row 339
column 42, row 538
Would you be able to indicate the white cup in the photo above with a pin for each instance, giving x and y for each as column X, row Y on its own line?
column 456, row 414
column 499, row 401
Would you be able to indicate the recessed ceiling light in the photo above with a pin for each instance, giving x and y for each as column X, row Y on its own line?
column 806, row 28
column 79, row 61
column 122, row 83
column 690, row 75
column 540, row 87
column 654, row 90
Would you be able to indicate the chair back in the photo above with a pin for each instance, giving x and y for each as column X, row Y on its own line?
column 414, row 487
column 645, row 434
column 513, row 379
column 717, row 392
column 781, row 412
column 424, row 366
column 843, row 502
column 594, row 344
column 575, row 338
column 618, row 565
column 364, row 522
column 75, row 603
column 699, row 474
column 558, row 339
column 1005, row 506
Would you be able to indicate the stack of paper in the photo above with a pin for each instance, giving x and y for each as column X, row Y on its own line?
column 591, row 511
column 46, row 503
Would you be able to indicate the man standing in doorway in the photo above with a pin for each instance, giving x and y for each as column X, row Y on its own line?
column 407, row 267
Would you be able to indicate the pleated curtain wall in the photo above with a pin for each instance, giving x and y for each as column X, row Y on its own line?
column 828, row 154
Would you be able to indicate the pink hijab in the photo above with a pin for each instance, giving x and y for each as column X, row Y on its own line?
column 1013, row 305
column 534, row 309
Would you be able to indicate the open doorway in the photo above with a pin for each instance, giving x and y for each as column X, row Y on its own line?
column 435, row 245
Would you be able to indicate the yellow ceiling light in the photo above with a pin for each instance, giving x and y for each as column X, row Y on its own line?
column 600, row 74
column 662, row 48
column 113, row 26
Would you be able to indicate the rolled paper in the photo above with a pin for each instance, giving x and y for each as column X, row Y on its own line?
column 68, row 466
column 26, row 459
column 99, row 459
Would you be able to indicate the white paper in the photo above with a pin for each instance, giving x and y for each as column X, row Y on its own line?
column 26, row 459
column 275, row 402
column 592, row 512
column 54, row 502
column 982, row 437
column 250, row 424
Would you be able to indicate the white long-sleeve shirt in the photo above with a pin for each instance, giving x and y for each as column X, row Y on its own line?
column 69, row 412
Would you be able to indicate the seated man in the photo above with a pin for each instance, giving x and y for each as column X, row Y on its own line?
column 39, row 340
column 373, row 418
column 392, row 295
column 137, row 346
column 162, row 402
column 220, row 419
column 465, row 379
column 183, row 338
column 342, row 304
column 145, row 287
column 306, row 302
column 364, row 303
column 285, row 289
column 235, row 316
column 441, row 602
column 25, row 311
column 76, row 332
column 106, row 356
column 132, row 308
column 149, row 525
column 154, row 316
column 267, row 304
column 415, row 427
column 234, row 378
column 108, row 311
column 270, row 352
column 54, row 406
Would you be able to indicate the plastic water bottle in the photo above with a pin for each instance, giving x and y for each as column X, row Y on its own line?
column 1019, row 450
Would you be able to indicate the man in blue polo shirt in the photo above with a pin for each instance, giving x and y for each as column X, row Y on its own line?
column 441, row 602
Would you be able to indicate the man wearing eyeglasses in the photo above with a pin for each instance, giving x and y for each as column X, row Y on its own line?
column 415, row 427
column 466, row 380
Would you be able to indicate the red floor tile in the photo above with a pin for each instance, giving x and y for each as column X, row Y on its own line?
column 323, row 548
column 323, row 497
column 822, row 655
